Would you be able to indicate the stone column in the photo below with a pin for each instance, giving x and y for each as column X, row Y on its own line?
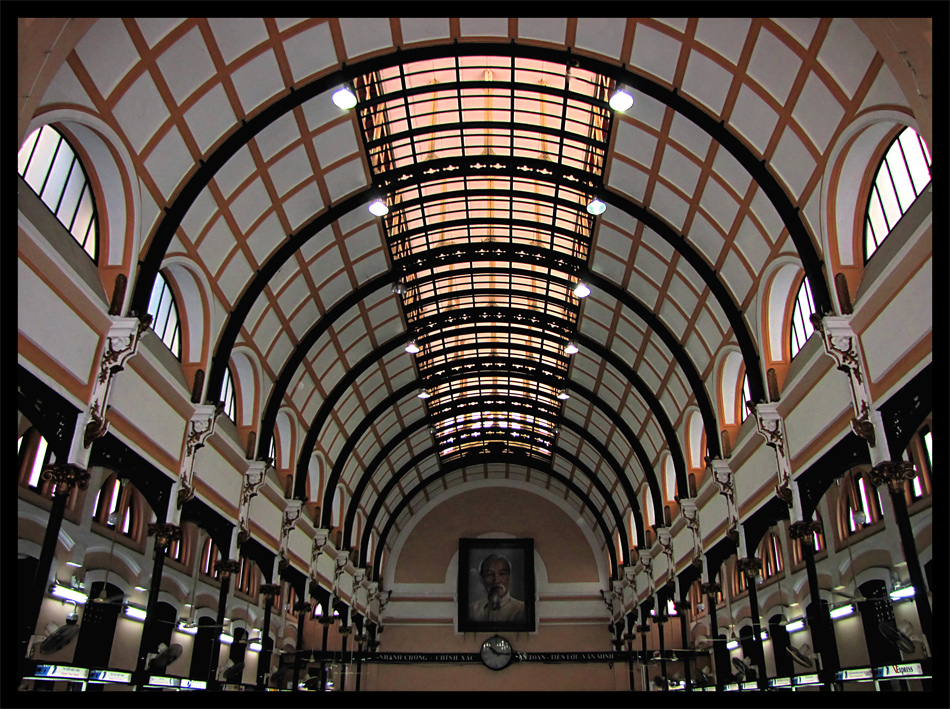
column 225, row 568
column 302, row 608
column 895, row 474
column 751, row 567
column 64, row 478
column 164, row 535
column 819, row 620
column 269, row 591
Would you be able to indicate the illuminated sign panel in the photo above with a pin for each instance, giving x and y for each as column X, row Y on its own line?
column 109, row 676
column 62, row 672
column 781, row 682
column 806, row 679
column 750, row 685
column 854, row 674
column 163, row 681
column 907, row 670
column 193, row 684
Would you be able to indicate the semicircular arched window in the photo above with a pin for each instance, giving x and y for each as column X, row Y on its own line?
column 164, row 312
column 801, row 318
column 227, row 395
column 50, row 166
column 903, row 174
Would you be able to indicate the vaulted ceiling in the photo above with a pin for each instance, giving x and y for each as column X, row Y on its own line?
column 487, row 140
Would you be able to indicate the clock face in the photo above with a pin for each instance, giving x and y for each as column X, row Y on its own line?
column 496, row 652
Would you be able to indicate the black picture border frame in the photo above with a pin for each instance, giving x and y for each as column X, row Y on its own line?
column 469, row 547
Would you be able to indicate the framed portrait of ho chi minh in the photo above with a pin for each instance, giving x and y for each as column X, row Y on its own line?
column 496, row 585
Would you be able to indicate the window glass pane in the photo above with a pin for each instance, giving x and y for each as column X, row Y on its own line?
column 876, row 219
column 917, row 160
column 58, row 174
column 84, row 215
column 885, row 189
column 42, row 157
column 927, row 449
column 26, row 151
column 38, row 463
column 71, row 195
column 902, row 183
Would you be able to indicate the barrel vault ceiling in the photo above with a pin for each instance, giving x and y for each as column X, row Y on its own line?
column 486, row 139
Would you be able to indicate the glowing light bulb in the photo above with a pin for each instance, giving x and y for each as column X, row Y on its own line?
column 571, row 348
column 596, row 207
column 563, row 395
column 621, row 100
column 412, row 347
column 378, row 208
column 424, row 394
column 581, row 290
column 344, row 98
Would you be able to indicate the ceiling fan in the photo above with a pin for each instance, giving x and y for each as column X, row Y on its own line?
column 743, row 669
column 802, row 655
column 897, row 636
column 165, row 656
column 59, row 638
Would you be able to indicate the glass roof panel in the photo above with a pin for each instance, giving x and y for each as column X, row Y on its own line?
column 488, row 164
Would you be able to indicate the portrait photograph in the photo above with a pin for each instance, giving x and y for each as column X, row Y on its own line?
column 496, row 585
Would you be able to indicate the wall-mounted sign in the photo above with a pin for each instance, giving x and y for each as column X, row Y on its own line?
column 428, row 657
column 806, row 679
column 193, row 684
column 109, row 676
column 781, row 682
column 854, row 674
column 731, row 687
column 908, row 670
column 62, row 672
column 163, row 681
column 750, row 685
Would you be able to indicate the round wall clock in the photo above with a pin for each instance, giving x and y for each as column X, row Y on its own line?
column 497, row 653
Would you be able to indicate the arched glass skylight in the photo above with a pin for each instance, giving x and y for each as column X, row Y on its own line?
column 801, row 317
column 52, row 169
column 164, row 312
column 902, row 175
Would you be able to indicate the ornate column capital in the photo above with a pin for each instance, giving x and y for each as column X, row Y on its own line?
column 65, row 476
column 893, row 472
column 805, row 530
column 724, row 479
column 288, row 523
column 164, row 534
column 320, row 539
column 226, row 567
column 711, row 589
column 252, row 483
column 750, row 566
column 270, row 590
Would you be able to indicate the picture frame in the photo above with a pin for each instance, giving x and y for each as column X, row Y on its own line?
column 482, row 604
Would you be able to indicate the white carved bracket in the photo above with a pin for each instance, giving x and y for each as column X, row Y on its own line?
column 199, row 430
column 771, row 426
column 664, row 538
column 841, row 344
column 288, row 524
column 724, row 480
column 121, row 344
column 253, row 482
column 320, row 539
column 691, row 517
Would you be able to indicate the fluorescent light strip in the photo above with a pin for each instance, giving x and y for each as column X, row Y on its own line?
column 842, row 611
column 68, row 594
column 795, row 626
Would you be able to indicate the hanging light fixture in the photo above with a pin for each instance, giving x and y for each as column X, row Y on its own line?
column 571, row 348
column 378, row 208
column 596, row 206
column 424, row 394
column 344, row 98
column 412, row 347
column 581, row 290
column 563, row 395
column 399, row 287
column 621, row 100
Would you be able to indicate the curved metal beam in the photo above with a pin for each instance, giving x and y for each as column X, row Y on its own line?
column 528, row 462
column 203, row 174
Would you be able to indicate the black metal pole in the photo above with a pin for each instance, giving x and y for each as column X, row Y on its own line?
column 303, row 609
column 757, row 632
column 681, row 610
column 64, row 478
column 164, row 534
column 225, row 568
column 345, row 630
column 820, row 620
column 269, row 591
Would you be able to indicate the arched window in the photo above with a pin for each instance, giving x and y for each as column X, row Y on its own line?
column 35, row 453
column 746, row 398
column 770, row 554
column 164, row 312
column 50, row 166
column 227, row 395
column 209, row 555
column 115, row 508
column 903, row 174
column 918, row 453
column 247, row 577
column 739, row 582
column 859, row 505
column 801, row 317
